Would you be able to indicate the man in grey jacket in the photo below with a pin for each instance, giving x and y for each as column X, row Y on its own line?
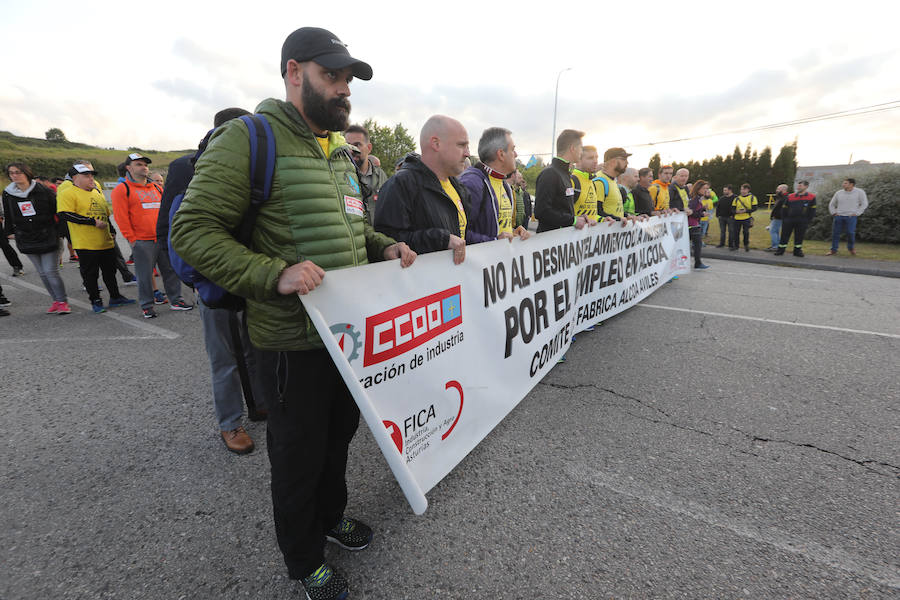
column 846, row 205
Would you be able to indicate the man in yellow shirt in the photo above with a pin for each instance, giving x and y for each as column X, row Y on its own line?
column 84, row 207
column 585, row 193
column 742, row 207
column 609, row 197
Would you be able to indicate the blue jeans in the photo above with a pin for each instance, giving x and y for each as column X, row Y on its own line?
column 149, row 254
column 47, row 266
column 228, row 396
column 775, row 232
column 704, row 227
column 841, row 224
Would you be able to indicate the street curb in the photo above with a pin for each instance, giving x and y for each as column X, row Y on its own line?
column 755, row 256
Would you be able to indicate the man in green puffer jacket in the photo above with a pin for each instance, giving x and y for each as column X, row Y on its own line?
column 313, row 222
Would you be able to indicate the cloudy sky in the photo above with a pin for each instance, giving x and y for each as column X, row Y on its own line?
column 119, row 74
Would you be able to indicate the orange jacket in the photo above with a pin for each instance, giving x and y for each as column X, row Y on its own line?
column 136, row 207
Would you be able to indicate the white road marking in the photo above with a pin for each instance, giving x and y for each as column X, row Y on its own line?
column 884, row 574
column 774, row 321
column 755, row 275
column 83, row 339
column 156, row 331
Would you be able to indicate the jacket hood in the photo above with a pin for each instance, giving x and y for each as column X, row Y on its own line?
column 410, row 161
column 661, row 184
column 13, row 190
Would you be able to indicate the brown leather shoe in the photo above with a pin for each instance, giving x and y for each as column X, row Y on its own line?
column 853, row 251
column 830, row 253
column 238, row 441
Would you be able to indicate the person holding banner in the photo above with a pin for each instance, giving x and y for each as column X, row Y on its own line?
column 493, row 210
column 554, row 195
column 424, row 204
column 312, row 222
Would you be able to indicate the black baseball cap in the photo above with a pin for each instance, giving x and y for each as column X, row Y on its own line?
column 135, row 156
column 323, row 47
column 615, row 153
column 80, row 169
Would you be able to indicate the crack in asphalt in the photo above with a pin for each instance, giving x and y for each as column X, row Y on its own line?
column 864, row 463
column 649, row 419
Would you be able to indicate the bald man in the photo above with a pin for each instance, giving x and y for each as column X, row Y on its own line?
column 424, row 204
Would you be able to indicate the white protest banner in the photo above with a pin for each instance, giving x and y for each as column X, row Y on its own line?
column 436, row 355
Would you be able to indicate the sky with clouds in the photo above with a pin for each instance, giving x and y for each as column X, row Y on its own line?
column 152, row 76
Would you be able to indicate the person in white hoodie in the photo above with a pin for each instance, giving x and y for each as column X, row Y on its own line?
column 846, row 206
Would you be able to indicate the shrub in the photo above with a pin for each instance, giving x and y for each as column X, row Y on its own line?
column 880, row 222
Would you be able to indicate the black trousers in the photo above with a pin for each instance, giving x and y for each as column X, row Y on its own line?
column 11, row 257
column 736, row 228
column 92, row 262
column 309, row 428
column 724, row 229
column 794, row 225
column 696, row 244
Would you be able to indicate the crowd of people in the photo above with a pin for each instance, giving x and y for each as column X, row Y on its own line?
column 332, row 207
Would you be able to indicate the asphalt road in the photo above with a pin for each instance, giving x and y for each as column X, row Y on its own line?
column 736, row 436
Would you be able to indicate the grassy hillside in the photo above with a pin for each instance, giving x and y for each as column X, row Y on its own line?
column 53, row 159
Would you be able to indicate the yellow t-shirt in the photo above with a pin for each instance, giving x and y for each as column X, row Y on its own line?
column 586, row 202
column 745, row 202
column 708, row 205
column 451, row 191
column 89, row 204
column 612, row 202
column 505, row 215
column 323, row 141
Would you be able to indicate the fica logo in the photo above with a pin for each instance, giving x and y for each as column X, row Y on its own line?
column 398, row 330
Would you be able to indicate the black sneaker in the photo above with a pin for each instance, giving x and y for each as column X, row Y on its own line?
column 4, row 301
column 798, row 252
column 779, row 252
column 350, row 534
column 325, row 584
column 149, row 313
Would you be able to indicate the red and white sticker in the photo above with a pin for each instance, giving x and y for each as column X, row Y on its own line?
column 353, row 206
column 27, row 209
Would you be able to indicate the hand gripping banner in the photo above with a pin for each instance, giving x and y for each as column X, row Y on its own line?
column 436, row 355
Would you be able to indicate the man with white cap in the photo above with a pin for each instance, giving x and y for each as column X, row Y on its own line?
column 85, row 209
column 135, row 204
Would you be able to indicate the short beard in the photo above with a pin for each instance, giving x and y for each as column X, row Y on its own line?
column 330, row 115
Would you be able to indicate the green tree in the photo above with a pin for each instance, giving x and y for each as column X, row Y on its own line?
column 55, row 134
column 389, row 144
column 655, row 161
column 784, row 168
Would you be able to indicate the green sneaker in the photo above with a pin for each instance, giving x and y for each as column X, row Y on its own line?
column 325, row 584
column 350, row 534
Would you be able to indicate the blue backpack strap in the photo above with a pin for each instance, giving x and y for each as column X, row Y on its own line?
column 262, row 171
column 605, row 185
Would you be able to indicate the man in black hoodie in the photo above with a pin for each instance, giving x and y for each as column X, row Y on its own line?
column 724, row 213
column 424, row 204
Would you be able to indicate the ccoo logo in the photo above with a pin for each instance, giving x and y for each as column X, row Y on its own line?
column 348, row 340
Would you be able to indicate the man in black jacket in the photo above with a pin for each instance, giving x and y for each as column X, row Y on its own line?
column 424, row 204
column 724, row 214
column 554, row 195
column 643, row 202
